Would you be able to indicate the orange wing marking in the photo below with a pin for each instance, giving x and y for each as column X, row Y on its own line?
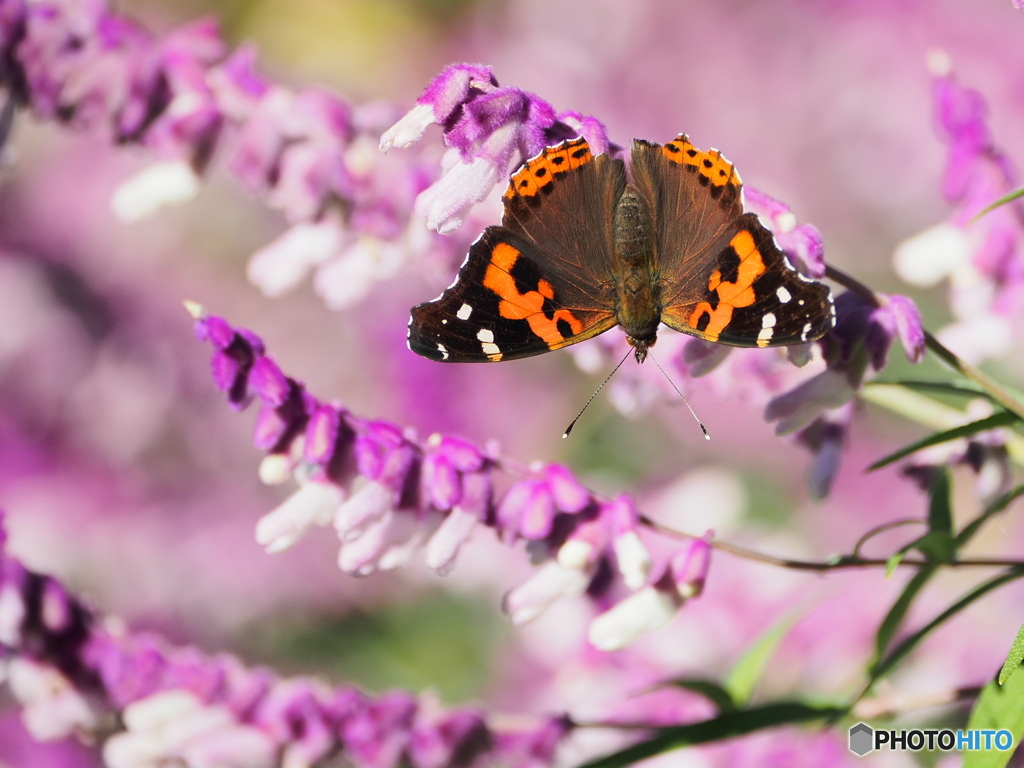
column 537, row 173
column 716, row 168
column 731, row 296
column 525, row 306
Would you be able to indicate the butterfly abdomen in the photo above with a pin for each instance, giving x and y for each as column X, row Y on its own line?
column 638, row 306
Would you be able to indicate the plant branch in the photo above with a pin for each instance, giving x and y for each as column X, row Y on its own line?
column 839, row 562
column 895, row 704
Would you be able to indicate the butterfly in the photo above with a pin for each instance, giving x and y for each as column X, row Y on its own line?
column 583, row 248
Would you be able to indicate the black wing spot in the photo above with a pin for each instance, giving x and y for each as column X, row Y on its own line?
column 526, row 275
column 540, row 173
column 672, row 148
column 729, row 265
column 707, row 162
column 564, row 328
column 557, row 160
column 704, row 180
column 524, row 183
column 703, row 321
column 580, row 153
column 691, row 152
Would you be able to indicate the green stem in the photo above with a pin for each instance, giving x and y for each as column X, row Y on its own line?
column 968, row 371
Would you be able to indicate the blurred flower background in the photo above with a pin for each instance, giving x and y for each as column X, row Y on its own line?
column 124, row 475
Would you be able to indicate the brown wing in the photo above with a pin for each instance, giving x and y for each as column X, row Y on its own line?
column 723, row 277
column 542, row 280
column 563, row 201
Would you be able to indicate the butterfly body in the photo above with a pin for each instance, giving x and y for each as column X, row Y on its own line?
column 637, row 284
column 582, row 249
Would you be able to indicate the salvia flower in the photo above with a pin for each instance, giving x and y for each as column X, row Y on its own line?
column 983, row 259
column 491, row 128
column 152, row 703
column 389, row 495
column 309, row 154
column 654, row 606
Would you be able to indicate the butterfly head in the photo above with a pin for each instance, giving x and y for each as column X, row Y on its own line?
column 640, row 346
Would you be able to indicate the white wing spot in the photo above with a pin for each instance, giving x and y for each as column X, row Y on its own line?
column 765, row 335
column 485, row 335
column 443, row 351
column 801, row 302
column 490, row 349
column 768, row 321
column 806, row 331
column 464, row 312
column 444, row 321
column 783, row 294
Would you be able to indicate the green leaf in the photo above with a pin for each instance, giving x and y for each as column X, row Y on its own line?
column 1000, row 202
column 1014, row 659
column 938, row 545
column 1001, row 419
column 894, row 618
column 994, row 507
column 901, row 651
column 964, row 389
column 710, row 690
column 725, row 726
column 940, row 513
column 998, row 707
column 748, row 670
column 894, row 562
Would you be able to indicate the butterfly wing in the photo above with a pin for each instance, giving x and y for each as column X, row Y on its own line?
column 563, row 201
column 724, row 278
column 502, row 306
column 541, row 281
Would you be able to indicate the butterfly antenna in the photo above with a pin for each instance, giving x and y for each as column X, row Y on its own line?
column 573, row 423
column 699, row 422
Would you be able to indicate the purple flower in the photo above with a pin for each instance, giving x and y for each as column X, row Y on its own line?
column 630, row 553
column 527, row 510
column 654, row 606
column 531, row 748
column 473, row 507
column 983, row 259
column 443, row 98
column 70, row 674
column 449, row 741
column 826, row 438
column 900, row 317
column 431, row 494
column 314, row 504
column 549, row 584
column 862, row 337
column 689, row 567
column 377, row 735
column 306, row 153
column 491, row 127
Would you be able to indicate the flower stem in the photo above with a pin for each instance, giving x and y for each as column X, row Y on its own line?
column 839, row 562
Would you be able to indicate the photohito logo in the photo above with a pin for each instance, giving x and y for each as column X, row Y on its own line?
column 865, row 739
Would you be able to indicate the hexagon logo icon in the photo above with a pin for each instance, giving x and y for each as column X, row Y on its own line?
column 861, row 739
